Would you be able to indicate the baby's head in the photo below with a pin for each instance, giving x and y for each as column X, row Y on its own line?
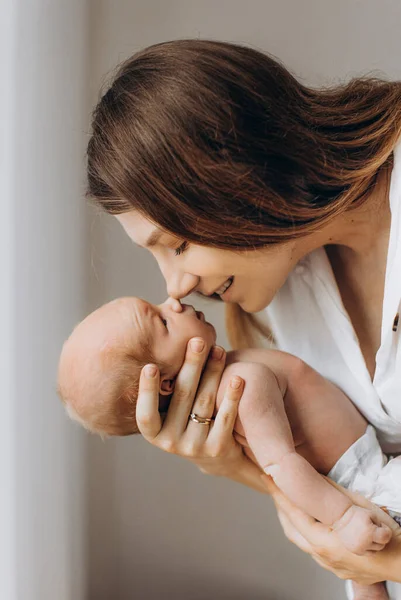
column 101, row 361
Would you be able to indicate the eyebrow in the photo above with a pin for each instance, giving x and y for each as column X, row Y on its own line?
column 153, row 238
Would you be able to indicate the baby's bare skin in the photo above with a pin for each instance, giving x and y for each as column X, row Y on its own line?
column 292, row 417
column 298, row 423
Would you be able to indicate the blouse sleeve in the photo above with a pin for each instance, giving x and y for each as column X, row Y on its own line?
column 365, row 469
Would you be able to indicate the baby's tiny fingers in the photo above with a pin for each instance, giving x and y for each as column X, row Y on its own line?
column 147, row 409
column 375, row 548
column 382, row 535
column 228, row 411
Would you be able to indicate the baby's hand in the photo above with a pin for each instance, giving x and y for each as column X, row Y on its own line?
column 361, row 531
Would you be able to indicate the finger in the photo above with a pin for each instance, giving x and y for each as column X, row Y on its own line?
column 241, row 439
column 377, row 547
column 148, row 417
column 292, row 534
column 175, row 304
column 378, row 515
column 382, row 535
column 246, row 450
column 186, row 385
column 322, row 563
column 205, row 400
column 226, row 416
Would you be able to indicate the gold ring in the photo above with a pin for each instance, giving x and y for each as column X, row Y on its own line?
column 201, row 420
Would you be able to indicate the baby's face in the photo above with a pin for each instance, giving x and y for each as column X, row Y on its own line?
column 126, row 328
column 166, row 328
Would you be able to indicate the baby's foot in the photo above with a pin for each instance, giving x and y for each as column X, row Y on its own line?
column 360, row 530
column 377, row 591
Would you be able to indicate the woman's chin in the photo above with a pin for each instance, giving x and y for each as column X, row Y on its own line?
column 253, row 305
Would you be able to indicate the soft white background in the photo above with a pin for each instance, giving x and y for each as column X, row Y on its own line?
column 81, row 519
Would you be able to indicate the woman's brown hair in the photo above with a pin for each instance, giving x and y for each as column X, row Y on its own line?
column 222, row 146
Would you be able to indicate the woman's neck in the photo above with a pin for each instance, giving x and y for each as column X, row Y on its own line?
column 361, row 229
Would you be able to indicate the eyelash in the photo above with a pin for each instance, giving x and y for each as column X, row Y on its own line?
column 164, row 321
column 181, row 248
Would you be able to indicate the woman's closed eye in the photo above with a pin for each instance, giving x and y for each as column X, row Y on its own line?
column 181, row 248
column 164, row 321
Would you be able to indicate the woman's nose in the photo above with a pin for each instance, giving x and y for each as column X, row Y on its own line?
column 180, row 285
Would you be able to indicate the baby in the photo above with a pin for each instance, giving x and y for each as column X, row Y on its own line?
column 306, row 422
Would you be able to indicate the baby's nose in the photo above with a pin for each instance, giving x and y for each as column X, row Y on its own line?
column 174, row 304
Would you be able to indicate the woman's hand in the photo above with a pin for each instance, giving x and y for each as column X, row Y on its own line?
column 325, row 547
column 211, row 447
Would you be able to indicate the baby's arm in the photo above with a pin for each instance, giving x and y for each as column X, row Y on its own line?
column 263, row 422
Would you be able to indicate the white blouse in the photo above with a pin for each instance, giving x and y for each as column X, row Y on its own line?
column 309, row 320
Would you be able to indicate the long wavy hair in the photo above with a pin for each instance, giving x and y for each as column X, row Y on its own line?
column 220, row 145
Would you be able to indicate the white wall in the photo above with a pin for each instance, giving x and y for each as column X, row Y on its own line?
column 43, row 237
column 158, row 527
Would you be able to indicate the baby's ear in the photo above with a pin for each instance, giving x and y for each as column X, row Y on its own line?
column 166, row 387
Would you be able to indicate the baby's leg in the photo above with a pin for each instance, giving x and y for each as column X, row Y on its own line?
column 359, row 528
column 268, row 433
column 377, row 591
column 324, row 422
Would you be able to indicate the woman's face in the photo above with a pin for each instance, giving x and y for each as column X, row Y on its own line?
column 253, row 276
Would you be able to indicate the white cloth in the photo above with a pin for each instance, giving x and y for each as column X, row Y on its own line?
column 365, row 469
column 309, row 320
column 391, row 589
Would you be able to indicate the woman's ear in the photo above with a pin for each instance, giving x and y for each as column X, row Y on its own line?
column 166, row 387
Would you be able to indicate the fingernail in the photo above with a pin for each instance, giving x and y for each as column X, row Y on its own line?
column 150, row 371
column 217, row 352
column 235, row 382
column 272, row 470
column 197, row 345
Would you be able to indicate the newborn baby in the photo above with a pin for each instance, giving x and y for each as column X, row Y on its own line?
column 306, row 422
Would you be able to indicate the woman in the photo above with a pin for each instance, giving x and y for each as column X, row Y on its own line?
column 254, row 189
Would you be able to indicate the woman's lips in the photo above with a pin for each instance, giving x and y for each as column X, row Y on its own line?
column 226, row 293
column 223, row 288
column 223, row 296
